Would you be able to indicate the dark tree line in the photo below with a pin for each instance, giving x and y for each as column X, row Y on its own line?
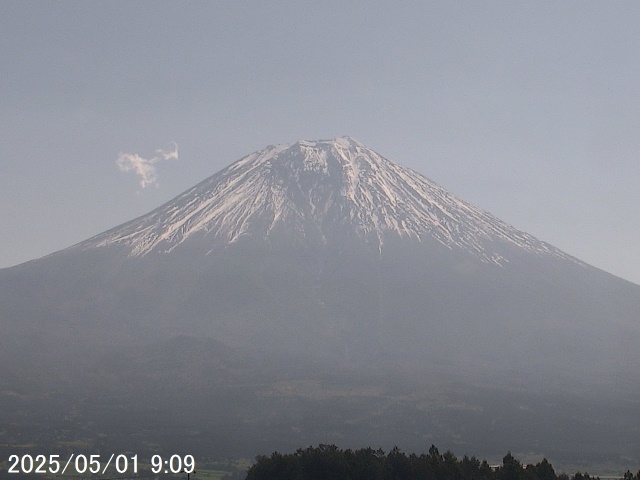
column 328, row 462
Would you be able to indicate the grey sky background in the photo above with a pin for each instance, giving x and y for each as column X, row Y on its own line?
column 530, row 110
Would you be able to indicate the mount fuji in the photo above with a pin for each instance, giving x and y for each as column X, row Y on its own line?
column 318, row 292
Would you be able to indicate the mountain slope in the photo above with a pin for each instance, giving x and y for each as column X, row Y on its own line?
column 337, row 294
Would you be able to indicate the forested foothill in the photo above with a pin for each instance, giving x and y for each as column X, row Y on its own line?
column 328, row 462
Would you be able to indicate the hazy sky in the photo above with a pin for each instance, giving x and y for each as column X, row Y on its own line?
column 530, row 110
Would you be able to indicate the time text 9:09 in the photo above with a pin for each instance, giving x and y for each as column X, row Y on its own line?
column 173, row 464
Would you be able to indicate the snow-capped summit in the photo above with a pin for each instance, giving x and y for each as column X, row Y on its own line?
column 310, row 188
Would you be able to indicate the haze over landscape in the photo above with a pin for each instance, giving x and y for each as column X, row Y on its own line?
column 231, row 229
column 318, row 292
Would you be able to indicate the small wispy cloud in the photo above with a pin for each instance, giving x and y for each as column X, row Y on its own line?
column 145, row 168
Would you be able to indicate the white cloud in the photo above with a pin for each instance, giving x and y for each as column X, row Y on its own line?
column 145, row 168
